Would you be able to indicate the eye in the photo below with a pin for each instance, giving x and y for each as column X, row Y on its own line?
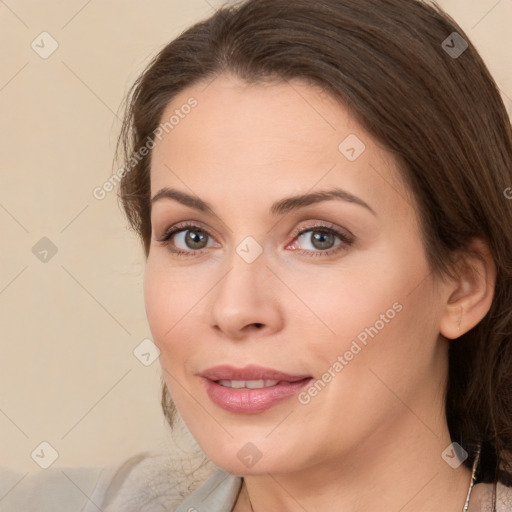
column 321, row 240
column 186, row 240
column 190, row 240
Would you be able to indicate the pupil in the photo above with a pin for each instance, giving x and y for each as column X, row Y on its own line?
column 323, row 240
column 193, row 238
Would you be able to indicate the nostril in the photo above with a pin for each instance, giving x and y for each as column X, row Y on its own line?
column 258, row 325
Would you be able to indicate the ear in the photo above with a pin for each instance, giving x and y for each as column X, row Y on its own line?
column 470, row 295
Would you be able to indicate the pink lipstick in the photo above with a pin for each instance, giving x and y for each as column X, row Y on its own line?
column 251, row 389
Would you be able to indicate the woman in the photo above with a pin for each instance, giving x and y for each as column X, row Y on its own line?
column 320, row 188
column 323, row 194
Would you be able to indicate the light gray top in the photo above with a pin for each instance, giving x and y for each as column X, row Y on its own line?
column 217, row 494
column 149, row 482
column 146, row 482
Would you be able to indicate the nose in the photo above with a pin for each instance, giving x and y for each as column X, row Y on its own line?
column 245, row 302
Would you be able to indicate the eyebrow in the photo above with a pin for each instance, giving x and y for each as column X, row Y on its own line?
column 280, row 207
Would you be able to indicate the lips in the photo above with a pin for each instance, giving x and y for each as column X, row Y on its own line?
column 250, row 373
column 252, row 389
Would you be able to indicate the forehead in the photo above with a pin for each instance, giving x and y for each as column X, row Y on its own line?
column 244, row 139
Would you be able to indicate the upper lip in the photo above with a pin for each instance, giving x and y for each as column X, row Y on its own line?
column 252, row 372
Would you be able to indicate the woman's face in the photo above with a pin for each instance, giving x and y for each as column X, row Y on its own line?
column 334, row 293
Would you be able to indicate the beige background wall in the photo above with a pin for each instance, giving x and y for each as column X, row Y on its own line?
column 68, row 375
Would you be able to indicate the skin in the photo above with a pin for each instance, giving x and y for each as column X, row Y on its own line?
column 372, row 439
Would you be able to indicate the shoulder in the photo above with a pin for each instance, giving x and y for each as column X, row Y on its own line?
column 57, row 489
column 148, row 481
column 482, row 498
column 159, row 482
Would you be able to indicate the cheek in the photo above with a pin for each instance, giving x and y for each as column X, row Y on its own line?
column 163, row 311
column 342, row 304
column 166, row 305
column 370, row 361
column 174, row 300
column 385, row 338
column 157, row 303
column 372, row 311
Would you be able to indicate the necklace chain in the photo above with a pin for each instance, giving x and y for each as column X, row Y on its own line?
column 471, row 484
column 473, row 478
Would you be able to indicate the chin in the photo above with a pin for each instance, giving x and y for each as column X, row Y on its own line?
column 244, row 457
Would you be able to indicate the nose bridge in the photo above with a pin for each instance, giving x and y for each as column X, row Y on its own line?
column 244, row 296
column 247, row 273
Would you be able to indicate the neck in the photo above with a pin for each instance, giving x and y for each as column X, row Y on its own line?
column 399, row 471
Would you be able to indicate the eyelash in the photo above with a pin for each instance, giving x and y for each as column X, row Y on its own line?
column 346, row 239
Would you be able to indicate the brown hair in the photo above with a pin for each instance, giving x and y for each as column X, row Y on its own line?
column 440, row 113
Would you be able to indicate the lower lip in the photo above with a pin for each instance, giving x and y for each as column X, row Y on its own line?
column 246, row 400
